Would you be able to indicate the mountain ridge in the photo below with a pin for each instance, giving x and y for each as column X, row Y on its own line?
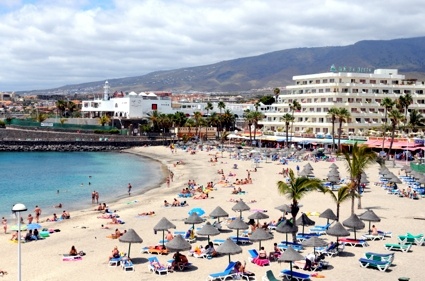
column 274, row 69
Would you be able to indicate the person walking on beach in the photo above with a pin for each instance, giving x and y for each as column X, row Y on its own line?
column 168, row 181
column 93, row 196
column 30, row 218
column 129, row 189
column 4, row 223
column 171, row 175
column 37, row 212
column 96, row 197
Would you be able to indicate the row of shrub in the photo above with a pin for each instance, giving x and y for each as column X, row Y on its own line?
column 111, row 132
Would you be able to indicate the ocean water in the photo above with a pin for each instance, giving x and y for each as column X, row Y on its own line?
column 49, row 178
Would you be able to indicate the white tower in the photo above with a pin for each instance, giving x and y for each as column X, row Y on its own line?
column 106, row 91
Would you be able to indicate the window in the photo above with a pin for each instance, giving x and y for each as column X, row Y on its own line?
column 321, row 120
column 383, row 81
column 327, row 90
column 317, row 81
column 362, row 81
column 372, row 81
column 154, row 106
column 331, row 80
column 355, row 91
column 353, row 80
column 322, row 99
column 313, row 91
column 325, row 80
column 320, row 90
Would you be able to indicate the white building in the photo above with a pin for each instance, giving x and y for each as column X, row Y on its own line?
column 357, row 89
column 137, row 106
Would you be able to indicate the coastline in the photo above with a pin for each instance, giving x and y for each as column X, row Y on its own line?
column 84, row 231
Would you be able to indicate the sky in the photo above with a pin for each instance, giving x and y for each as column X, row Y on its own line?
column 50, row 43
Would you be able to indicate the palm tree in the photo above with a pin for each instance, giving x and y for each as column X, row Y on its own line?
column 61, row 106
column 256, row 116
column 396, row 117
column 154, row 119
column 388, row 104
column 227, row 119
column 190, row 123
column 297, row 188
column 257, row 105
column 197, row 116
column 104, row 119
column 276, row 92
column 416, row 119
column 343, row 115
column 342, row 195
column 179, row 119
column 361, row 157
column 288, row 119
column 333, row 113
column 209, row 107
column 294, row 106
column 247, row 115
column 403, row 103
column 221, row 106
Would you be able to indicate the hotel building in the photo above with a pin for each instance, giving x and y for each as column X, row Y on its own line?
column 359, row 90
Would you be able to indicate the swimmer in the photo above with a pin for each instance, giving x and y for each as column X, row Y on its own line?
column 58, row 206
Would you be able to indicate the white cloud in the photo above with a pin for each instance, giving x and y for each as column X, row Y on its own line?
column 46, row 43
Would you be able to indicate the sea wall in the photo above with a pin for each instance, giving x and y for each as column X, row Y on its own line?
column 34, row 140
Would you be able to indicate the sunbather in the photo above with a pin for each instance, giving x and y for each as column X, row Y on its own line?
column 73, row 251
column 203, row 195
column 241, row 269
column 115, row 254
column 374, row 230
column 176, row 203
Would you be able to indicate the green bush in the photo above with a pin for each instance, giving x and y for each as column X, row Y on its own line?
column 111, row 132
column 2, row 124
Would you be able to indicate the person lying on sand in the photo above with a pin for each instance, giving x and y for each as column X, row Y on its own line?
column 147, row 213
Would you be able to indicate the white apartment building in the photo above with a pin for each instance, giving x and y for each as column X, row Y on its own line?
column 359, row 90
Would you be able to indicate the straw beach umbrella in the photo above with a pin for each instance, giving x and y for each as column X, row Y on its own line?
column 178, row 244
column 284, row 208
column 237, row 224
column 258, row 216
column 163, row 225
column 314, row 242
column 354, row 222
column 337, row 230
column 369, row 216
column 218, row 212
column 240, row 207
column 287, row 227
column 229, row 248
column 260, row 235
column 208, row 230
column 193, row 219
column 290, row 255
column 130, row 237
column 304, row 220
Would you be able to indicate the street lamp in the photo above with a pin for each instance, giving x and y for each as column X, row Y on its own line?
column 18, row 208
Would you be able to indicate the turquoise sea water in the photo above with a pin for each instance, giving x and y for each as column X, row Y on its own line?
column 34, row 178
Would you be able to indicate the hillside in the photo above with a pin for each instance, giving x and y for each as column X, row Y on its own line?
column 274, row 69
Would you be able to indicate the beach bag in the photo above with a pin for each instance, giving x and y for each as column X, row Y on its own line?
column 81, row 253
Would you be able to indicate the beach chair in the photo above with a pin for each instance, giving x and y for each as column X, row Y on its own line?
column 241, row 240
column 156, row 267
column 218, row 242
column 320, row 229
column 286, row 273
column 253, row 254
column 353, row 242
column 127, row 265
column 158, row 250
column 381, row 265
column 285, row 245
column 304, row 236
column 115, row 261
column 269, row 276
column 385, row 233
column 372, row 237
column 189, row 237
column 405, row 248
column 412, row 239
column 180, row 266
column 224, row 274
column 379, row 257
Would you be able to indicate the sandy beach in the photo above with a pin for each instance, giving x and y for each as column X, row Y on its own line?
column 42, row 260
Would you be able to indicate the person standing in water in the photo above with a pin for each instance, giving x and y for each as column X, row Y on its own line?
column 129, row 189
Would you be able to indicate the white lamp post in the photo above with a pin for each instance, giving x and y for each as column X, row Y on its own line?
column 18, row 208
